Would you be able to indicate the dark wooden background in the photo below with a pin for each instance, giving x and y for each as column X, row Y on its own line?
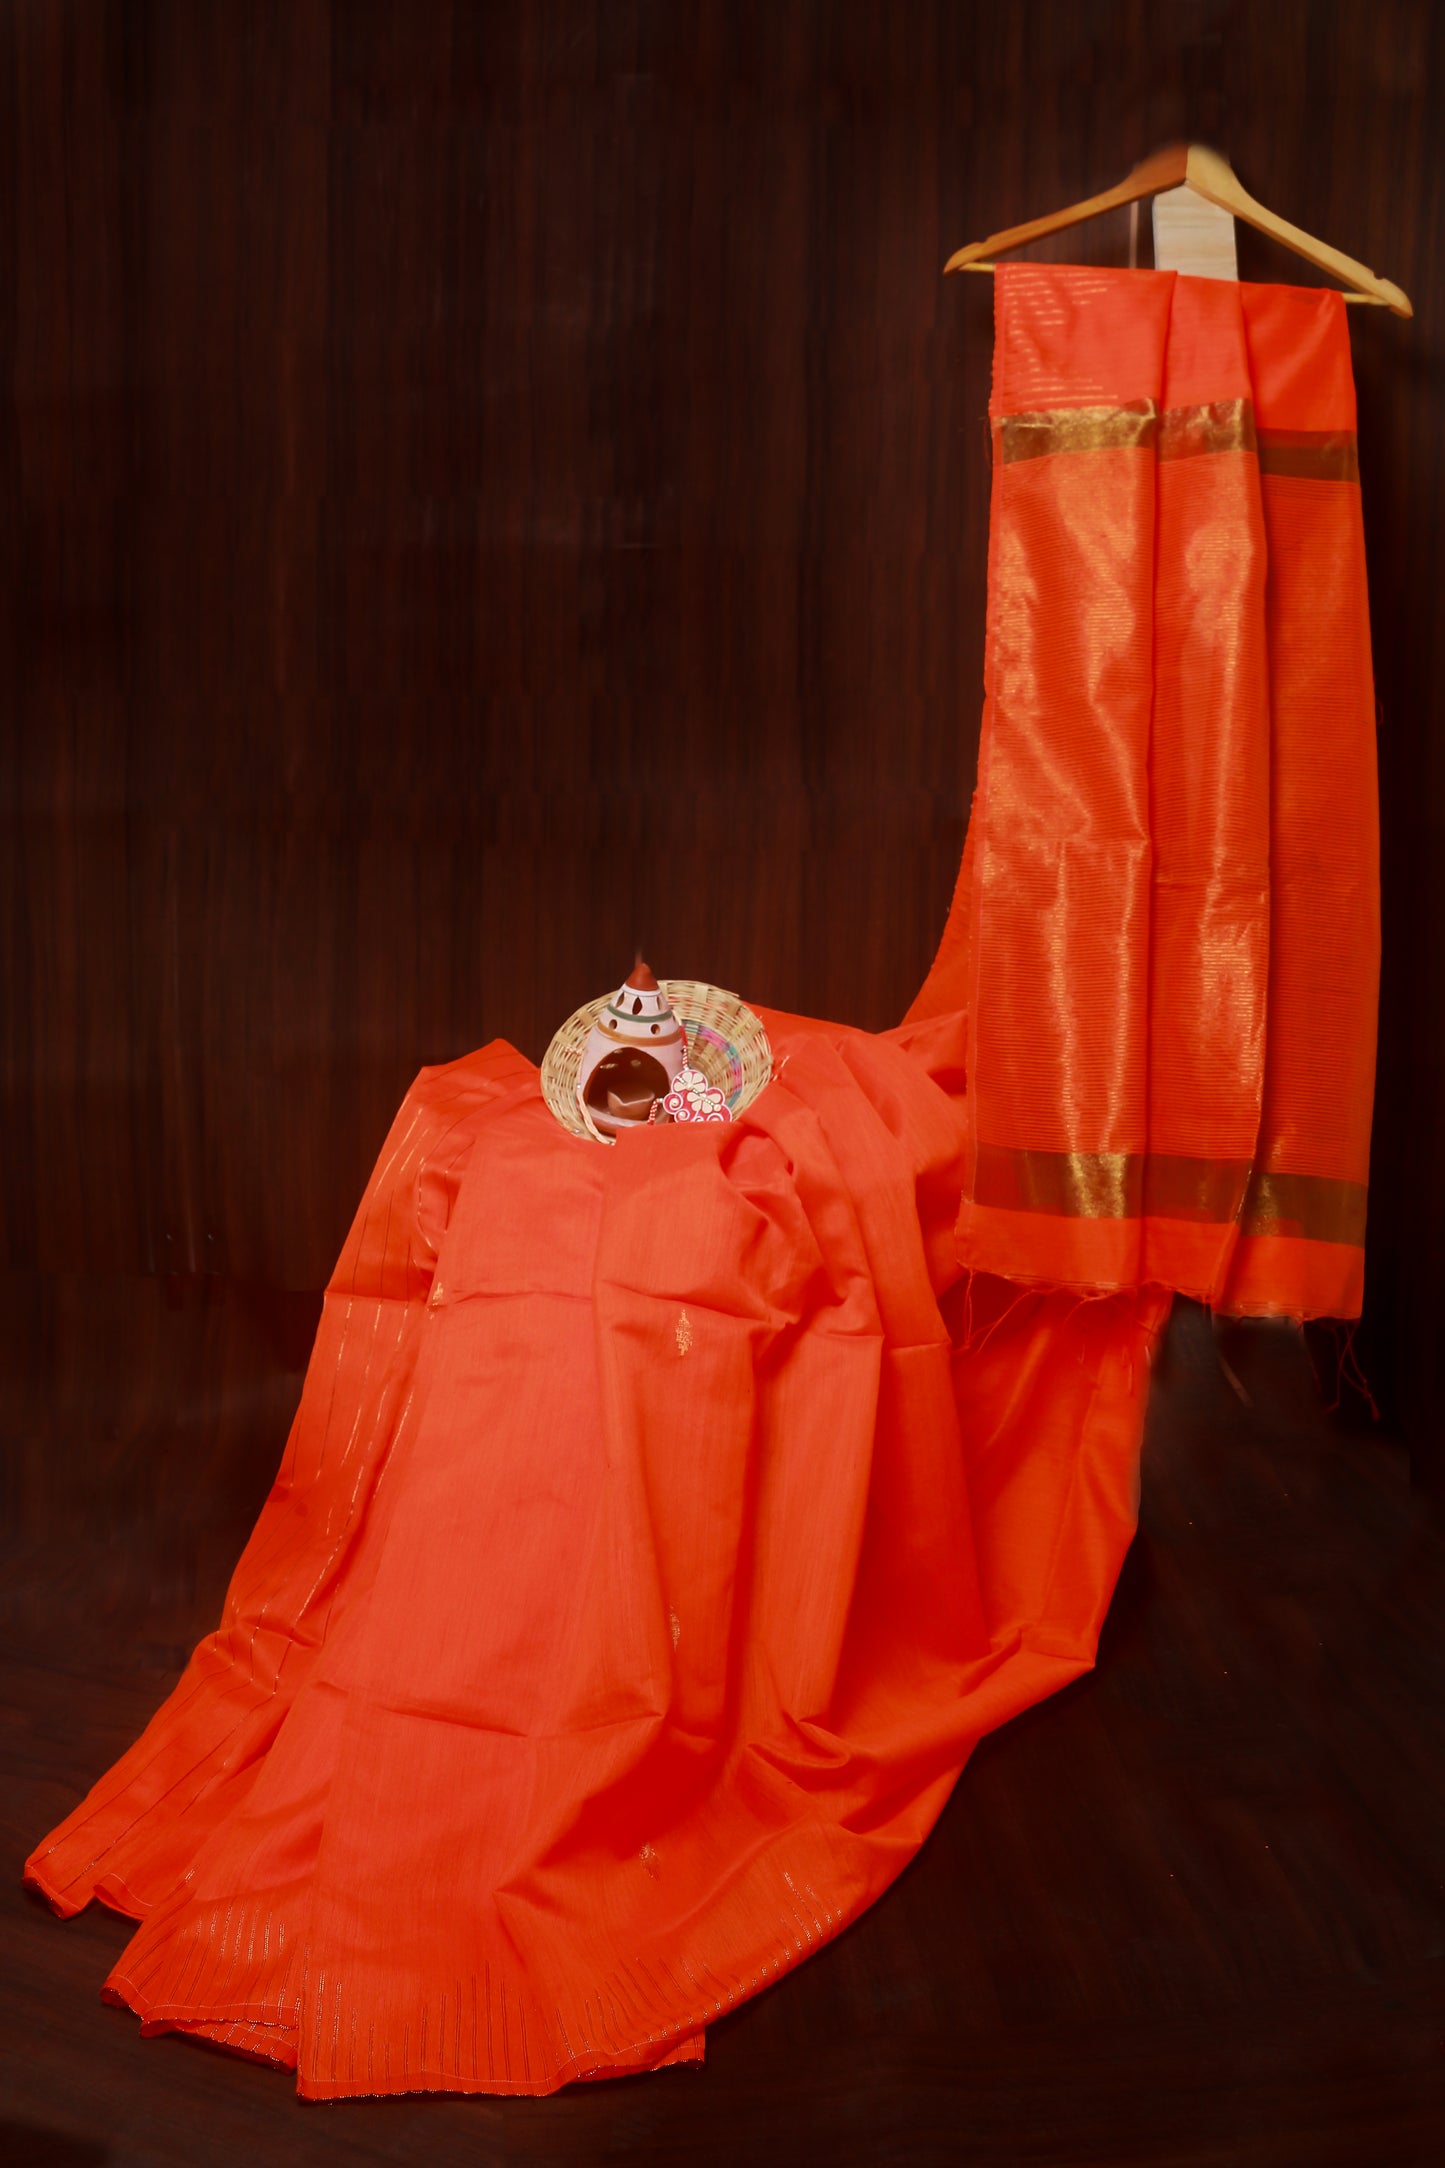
column 488, row 485
column 485, row 486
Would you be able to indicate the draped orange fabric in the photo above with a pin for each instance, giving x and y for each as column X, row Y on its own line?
column 1169, row 926
column 661, row 1526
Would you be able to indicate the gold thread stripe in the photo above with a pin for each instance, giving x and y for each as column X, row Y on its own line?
column 1225, row 425
column 1189, row 432
column 1129, row 1185
column 1110, row 1185
column 1071, row 1185
column 1310, row 455
column 1222, row 425
column 1308, row 1205
column 1194, row 1189
column 1077, row 429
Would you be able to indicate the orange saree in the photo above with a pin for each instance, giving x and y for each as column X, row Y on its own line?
column 660, row 1527
column 1166, row 930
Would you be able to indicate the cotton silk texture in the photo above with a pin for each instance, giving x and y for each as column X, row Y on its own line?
column 661, row 1526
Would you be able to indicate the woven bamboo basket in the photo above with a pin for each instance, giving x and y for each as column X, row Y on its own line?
column 725, row 1039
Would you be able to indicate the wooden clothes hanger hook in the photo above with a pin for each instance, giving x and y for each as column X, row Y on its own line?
column 1212, row 177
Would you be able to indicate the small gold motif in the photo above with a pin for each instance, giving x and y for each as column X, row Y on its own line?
column 684, row 1332
column 648, row 1856
column 676, row 1624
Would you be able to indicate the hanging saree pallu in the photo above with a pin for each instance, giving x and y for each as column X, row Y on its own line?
column 663, row 1524
column 1172, row 895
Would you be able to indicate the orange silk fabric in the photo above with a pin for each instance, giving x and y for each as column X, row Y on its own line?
column 1168, row 925
column 661, row 1526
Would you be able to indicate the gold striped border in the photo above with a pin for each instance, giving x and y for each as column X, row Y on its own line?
column 1071, row 1185
column 1226, row 425
column 1188, row 432
column 1077, row 429
column 1310, row 455
column 1161, row 1185
column 1309, row 1205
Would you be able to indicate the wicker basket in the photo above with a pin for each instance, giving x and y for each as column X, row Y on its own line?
column 724, row 1039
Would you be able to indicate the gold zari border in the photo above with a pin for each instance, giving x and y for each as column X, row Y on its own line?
column 1226, row 425
column 1134, row 1185
column 1188, row 432
column 1077, row 429
column 1310, row 1205
column 1310, row 455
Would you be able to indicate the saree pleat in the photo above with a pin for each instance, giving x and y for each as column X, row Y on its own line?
column 662, row 1526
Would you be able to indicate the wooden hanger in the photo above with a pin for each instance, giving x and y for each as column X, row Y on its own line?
column 1212, row 177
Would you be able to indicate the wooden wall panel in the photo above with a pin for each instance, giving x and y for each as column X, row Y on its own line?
column 485, row 486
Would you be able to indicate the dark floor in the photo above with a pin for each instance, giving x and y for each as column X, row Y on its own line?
column 1190, row 1911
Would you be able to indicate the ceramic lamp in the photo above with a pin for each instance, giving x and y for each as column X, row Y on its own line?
column 631, row 1054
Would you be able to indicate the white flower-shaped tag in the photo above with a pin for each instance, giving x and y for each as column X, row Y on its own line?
column 693, row 1099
